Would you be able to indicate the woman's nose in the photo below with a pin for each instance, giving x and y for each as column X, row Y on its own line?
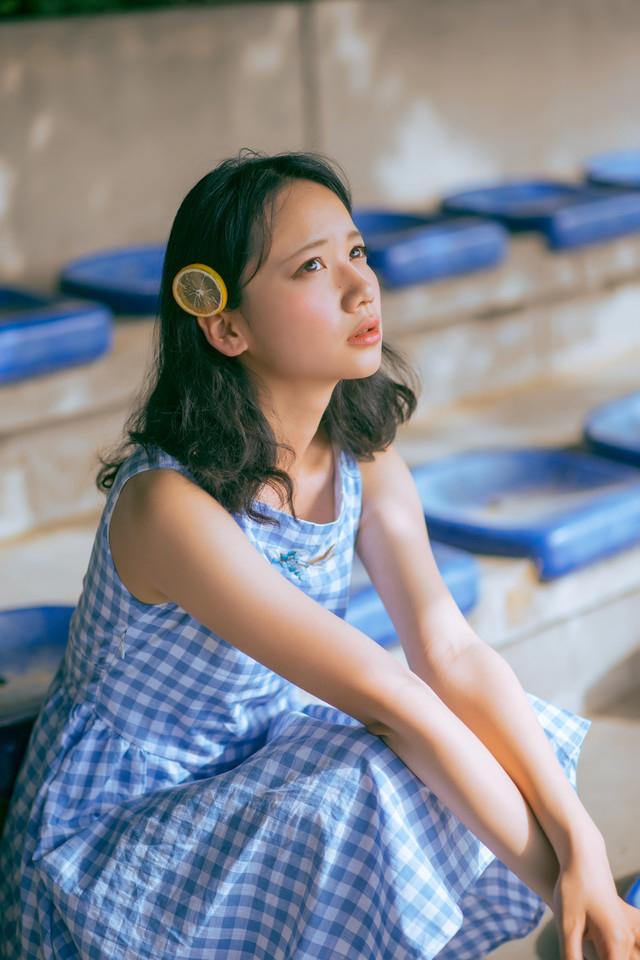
column 358, row 289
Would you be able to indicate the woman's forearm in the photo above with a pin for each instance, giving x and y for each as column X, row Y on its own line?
column 455, row 765
column 484, row 692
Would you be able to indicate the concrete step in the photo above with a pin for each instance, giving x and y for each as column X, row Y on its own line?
column 538, row 315
column 531, row 275
column 473, row 356
column 562, row 621
column 51, row 428
column 47, row 566
column 548, row 410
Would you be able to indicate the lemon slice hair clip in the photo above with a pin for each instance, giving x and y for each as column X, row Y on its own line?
column 199, row 290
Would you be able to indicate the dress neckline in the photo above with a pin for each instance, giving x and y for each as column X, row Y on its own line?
column 338, row 497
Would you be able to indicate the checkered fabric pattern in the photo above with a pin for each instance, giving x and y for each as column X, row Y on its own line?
column 178, row 800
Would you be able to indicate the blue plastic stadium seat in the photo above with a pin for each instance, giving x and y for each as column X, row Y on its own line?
column 613, row 429
column 32, row 643
column 562, row 508
column 408, row 248
column 41, row 334
column 619, row 168
column 367, row 612
column 127, row 280
column 567, row 215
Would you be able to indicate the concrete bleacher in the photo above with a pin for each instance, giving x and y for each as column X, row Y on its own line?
column 516, row 355
column 563, row 619
column 549, row 337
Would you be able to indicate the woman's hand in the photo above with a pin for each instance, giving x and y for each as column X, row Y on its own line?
column 595, row 949
column 587, row 908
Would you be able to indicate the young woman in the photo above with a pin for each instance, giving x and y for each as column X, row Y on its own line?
column 178, row 800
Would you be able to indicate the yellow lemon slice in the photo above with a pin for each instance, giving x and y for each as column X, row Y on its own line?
column 199, row 290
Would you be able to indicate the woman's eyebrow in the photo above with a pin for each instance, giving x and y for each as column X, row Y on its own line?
column 317, row 243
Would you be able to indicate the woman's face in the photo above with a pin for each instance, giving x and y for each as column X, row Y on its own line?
column 310, row 294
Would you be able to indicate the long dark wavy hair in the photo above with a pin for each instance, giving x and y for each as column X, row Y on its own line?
column 199, row 405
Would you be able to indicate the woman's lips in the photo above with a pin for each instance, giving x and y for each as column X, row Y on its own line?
column 367, row 330
column 368, row 335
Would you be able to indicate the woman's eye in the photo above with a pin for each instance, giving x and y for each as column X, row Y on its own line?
column 315, row 264
column 308, row 263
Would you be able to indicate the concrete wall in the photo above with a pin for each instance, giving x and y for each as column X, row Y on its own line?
column 108, row 120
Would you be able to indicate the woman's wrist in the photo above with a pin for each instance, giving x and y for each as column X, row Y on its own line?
column 581, row 841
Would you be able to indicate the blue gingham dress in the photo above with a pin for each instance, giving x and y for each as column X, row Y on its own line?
column 181, row 801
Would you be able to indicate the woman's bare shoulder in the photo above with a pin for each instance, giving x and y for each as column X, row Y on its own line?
column 144, row 499
column 149, row 487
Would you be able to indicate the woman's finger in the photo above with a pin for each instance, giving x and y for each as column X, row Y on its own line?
column 571, row 942
column 617, row 944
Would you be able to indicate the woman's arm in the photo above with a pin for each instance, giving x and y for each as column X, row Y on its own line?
column 482, row 689
column 454, row 763
column 474, row 681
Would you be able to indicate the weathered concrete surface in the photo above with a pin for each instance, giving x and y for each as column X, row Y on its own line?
column 505, row 351
column 107, row 121
column 548, row 410
column 52, row 427
column 48, row 475
column 48, row 565
column 422, row 98
column 529, row 276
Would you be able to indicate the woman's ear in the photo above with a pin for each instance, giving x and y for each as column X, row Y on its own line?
column 224, row 332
